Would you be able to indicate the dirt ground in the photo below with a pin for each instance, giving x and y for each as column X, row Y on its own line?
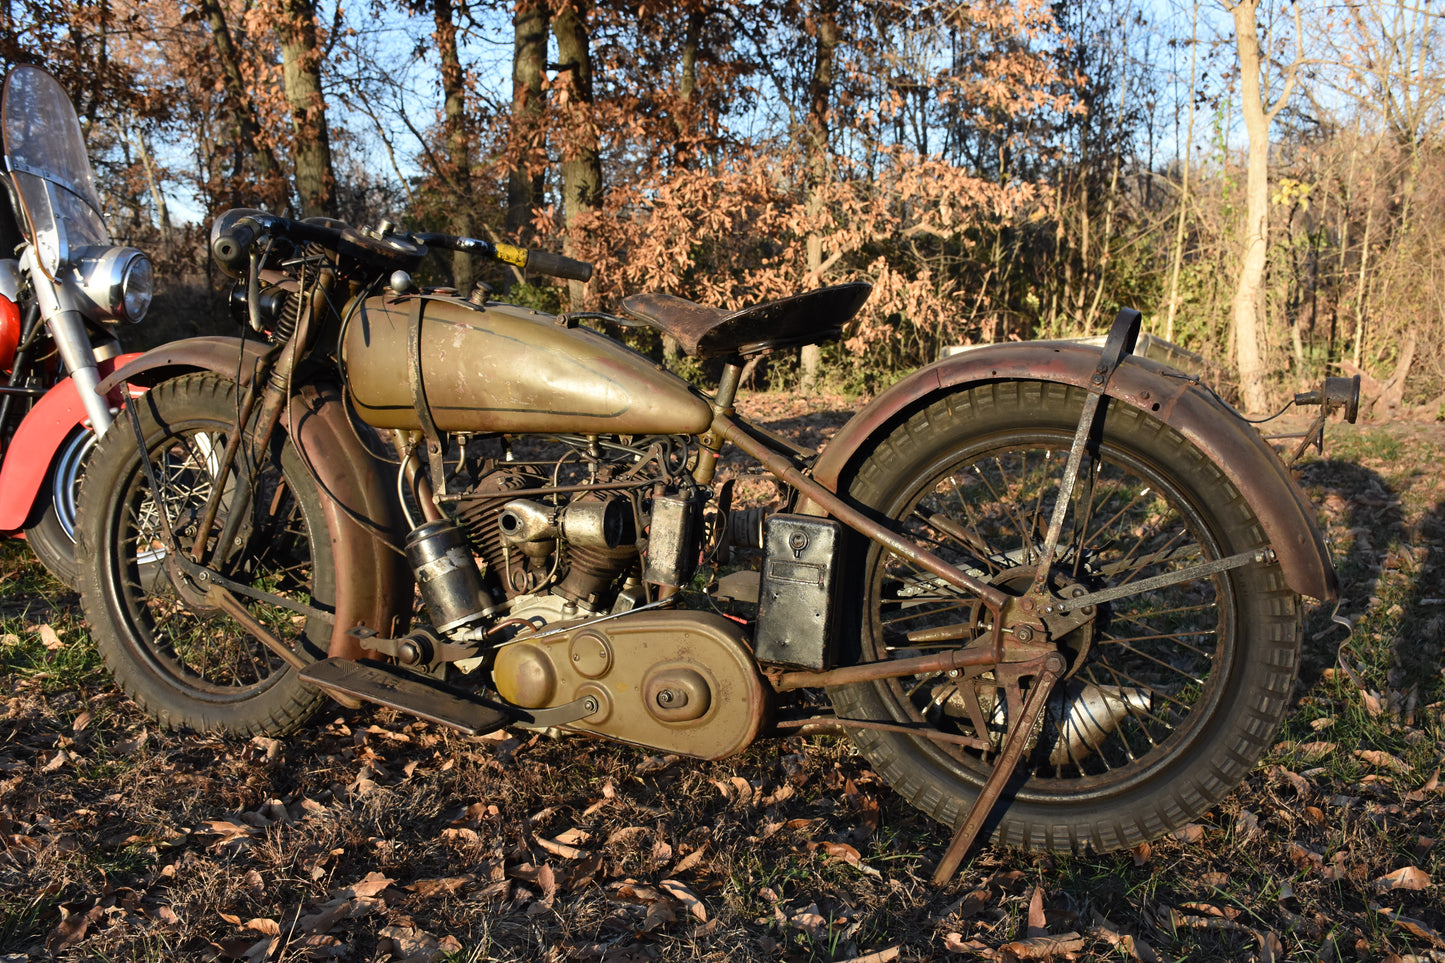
column 372, row 836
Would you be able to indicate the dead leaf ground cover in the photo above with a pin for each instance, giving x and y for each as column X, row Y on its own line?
column 370, row 836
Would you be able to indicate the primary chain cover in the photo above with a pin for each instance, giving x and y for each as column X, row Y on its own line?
column 680, row 682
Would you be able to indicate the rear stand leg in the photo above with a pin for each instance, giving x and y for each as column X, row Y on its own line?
column 1003, row 767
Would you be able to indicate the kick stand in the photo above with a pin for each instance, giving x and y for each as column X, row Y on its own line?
column 1003, row 767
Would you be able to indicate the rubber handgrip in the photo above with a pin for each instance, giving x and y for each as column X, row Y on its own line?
column 558, row 266
column 233, row 244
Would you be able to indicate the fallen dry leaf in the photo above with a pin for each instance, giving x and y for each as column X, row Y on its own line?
column 810, row 921
column 1043, row 947
column 427, row 888
column 1190, row 834
column 1314, row 751
column 261, row 949
column 1412, row 926
column 50, row 638
column 412, row 945
column 686, row 897
column 1037, row 923
column 954, row 943
column 558, row 848
column 1383, row 760
column 371, row 885
column 846, row 853
column 877, row 956
column 71, row 928
column 547, row 882
column 1406, row 877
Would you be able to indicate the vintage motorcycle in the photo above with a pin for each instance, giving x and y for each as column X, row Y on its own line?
column 1069, row 572
column 63, row 285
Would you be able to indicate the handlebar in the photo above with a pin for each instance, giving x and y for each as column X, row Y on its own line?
column 237, row 230
column 538, row 262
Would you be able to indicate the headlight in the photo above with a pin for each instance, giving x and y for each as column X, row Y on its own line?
column 137, row 286
column 116, row 281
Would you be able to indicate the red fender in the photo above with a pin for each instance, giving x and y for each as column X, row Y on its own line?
column 1288, row 519
column 37, row 439
column 373, row 582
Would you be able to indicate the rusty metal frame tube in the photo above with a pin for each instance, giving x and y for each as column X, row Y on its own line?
column 833, row 724
column 222, row 599
column 893, row 668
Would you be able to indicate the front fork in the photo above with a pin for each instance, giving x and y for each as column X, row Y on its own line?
column 265, row 396
column 67, row 329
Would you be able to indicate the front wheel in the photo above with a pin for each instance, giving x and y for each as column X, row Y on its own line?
column 52, row 536
column 1171, row 695
column 180, row 658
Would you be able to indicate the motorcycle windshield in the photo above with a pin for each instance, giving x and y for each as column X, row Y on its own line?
column 46, row 160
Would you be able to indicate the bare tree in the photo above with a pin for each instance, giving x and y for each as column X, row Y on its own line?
column 581, row 151
column 301, row 58
column 819, row 148
column 1259, row 113
column 529, row 62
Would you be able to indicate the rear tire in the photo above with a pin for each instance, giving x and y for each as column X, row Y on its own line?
column 184, row 662
column 1186, row 683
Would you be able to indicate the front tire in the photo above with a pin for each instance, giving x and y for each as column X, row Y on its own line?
column 181, row 660
column 52, row 536
column 1172, row 695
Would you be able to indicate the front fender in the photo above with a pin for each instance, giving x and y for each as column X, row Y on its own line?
column 36, row 440
column 232, row 358
column 373, row 582
column 1208, row 423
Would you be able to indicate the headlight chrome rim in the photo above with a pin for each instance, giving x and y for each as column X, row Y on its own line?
column 117, row 282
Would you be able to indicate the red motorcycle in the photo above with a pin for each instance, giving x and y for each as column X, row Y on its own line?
column 63, row 285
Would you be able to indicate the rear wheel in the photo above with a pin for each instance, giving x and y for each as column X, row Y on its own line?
column 1171, row 695
column 185, row 662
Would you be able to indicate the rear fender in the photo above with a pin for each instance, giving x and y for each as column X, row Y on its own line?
column 37, row 439
column 373, row 585
column 1213, row 427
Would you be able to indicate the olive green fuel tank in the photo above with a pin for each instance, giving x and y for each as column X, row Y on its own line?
column 501, row 368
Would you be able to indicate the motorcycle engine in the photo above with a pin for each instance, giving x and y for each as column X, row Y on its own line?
column 571, row 535
column 561, row 544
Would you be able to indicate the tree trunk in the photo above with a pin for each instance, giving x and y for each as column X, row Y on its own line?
column 1249, row 291
column 581, row 155
column 1177, row 256
column 301, row 77
column 820, row 95
column 158, row 197
column 458, row 140
column 270, row 189
column 1249, row 319
column 529, row 61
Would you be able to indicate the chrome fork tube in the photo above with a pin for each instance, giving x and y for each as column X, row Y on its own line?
column 67, row 330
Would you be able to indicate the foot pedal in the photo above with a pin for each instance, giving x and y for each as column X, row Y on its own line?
column 433, row 701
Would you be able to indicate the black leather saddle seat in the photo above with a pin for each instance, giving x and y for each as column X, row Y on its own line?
column 708, row 332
